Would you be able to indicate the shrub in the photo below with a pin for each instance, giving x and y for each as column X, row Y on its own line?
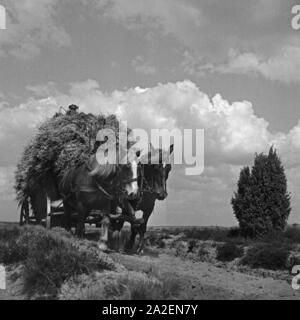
column 12, row 252
column 161, row 244
column 216, row 234
column 262, row 202
column 137, row 286
column 234, row 233
column 203, row 252
column 12, row 249
column 7, row 234
column 271, row 256
column 191, row 245
column 229, row 251
column 293, row 234
column 52, row 259
column 49, row 257
column 127, row 285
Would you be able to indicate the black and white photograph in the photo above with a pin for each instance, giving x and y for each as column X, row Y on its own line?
column 149, row 150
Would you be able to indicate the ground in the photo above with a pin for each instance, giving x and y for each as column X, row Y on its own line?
column 199, row 276
column 203, row 280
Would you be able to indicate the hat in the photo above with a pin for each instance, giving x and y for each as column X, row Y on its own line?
column 73, row 107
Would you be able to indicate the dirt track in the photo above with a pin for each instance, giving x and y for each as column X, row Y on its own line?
column 201, row 280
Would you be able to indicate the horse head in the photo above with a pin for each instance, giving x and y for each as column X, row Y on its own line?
column 130, row 174
column 157, row 172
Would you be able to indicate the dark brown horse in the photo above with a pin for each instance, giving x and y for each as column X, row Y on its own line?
column 152, row 187
column 95, row 186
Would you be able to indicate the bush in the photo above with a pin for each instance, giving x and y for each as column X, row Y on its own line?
column 12, row 252
column 52, row 259
column 292, row 234
column 203, row 252
column 12, row 249
column 216, row 234
column 49, row 257
column 229, row 251
column 9, row 233
column 161, row 244
column 136, row 286
column 192, row 245
column 234, row 233
column 272, row 256
column 127, row 285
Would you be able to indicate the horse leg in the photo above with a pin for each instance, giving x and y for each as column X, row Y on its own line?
column 133, row 234
column 104, row 234
column 119, row 247
column 82, row 213
column 67, row 216
column 116, row 237
column 142, row 231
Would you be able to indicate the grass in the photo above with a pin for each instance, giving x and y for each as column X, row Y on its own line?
column 49, row 258
column 270, row 251
column 218, row 234
column 52, row 259
column 229, row 251
column 124, row 285
column 12, row 250
column 292, row 233
column 267, row 256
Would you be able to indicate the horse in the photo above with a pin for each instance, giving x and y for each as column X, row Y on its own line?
column 98, row 187
column 152, row 187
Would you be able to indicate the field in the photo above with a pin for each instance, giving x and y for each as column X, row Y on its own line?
column 178, row 263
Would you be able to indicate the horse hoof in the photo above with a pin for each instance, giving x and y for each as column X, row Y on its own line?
column 102, row 246
column 138, row 222
column 140, row 252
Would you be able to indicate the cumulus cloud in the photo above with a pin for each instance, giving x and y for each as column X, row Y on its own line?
column 31, row 24
column 233, row 133
column 232, row 130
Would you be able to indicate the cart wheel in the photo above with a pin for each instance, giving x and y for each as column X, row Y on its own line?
column 21, row 223
column 24, row 214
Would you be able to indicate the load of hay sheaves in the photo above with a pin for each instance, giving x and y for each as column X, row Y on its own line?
column 61, row 143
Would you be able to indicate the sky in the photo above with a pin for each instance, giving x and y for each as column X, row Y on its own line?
column 230, row 67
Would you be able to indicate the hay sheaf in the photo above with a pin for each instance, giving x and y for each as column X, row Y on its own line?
column 62, row 142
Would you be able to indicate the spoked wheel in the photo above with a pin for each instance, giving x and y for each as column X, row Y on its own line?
column 24, row 214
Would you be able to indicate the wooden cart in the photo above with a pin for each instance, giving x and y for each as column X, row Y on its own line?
column 52, row 215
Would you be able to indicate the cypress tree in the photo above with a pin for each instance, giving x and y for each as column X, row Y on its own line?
column 262, row 202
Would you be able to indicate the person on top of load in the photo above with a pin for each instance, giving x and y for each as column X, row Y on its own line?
column 73, row 109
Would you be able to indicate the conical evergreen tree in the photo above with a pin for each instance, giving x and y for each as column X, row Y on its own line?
column 262, row 203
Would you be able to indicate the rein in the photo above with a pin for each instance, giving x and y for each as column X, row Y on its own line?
column 99, row 187
column 109, row 196
column 145, row 185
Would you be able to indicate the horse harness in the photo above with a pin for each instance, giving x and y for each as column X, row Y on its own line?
column 119, row 192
